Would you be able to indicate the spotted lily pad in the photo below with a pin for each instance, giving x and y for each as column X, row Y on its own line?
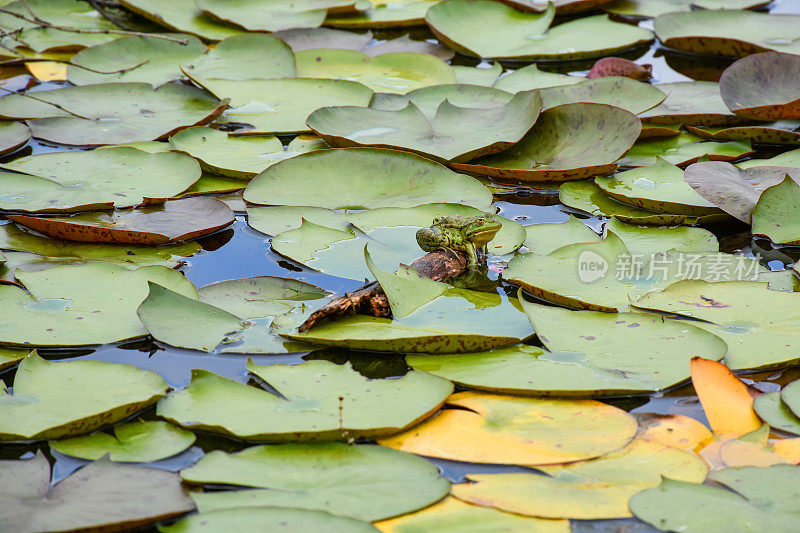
column 562, row 145
column 112, row 113
column 617, row 91
column 270, row 518
column 13, row 135
column 778, row 132
column 232, row 59
column 101, row 495
column 52, row 400
column 697, row 103
column 763, row 86
column 485, row 428
column 97, row 179
column 472, row 28
column 441, row 137
column 333, row 477
column 319, row 401
column 777, row 213
column 398, row 72
column 683, row 149
column 183, row 16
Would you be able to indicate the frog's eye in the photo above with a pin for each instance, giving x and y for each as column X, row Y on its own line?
column 481, row 220
column 437, row 220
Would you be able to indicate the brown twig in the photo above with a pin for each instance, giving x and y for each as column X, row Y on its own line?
column 57, row 106
column 23, row 60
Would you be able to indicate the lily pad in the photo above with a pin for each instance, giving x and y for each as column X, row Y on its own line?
column 385, row 14
column 729, row 32
column 778, row 132
column 441, row 137
column 483, row 74
column 374, row 178
column 660, row 188
column 697, row 103
column 763, row 86
column 363, row 482
column 530, row 77
column 617, row 91
column 182, row 16
column 112, row 113
column 269, row 518
column 173, row 221
column 563, row 7
column 789, row 395
column 777, row 213
column 398, row 72
column 654, row 8
column 756, row 322
column 598, row 488
column 472, row 27
column 13, row 135
column 11, row 356
column 260, row 296
column 100, row 495
column 484, row 428
column 94, row 303
column 281, row 105
column 134, row 58
column 232, row 59
column 428, row 99
column 54, row 400
column 254, row 15
column 646, row 241
column 97, row 179
column 587, row 353
column 774, row 411
column 683, row 149
column 788, row 159
column 310, row 38
column 749, row 499
column 568, row 142
column 544, row 238
column 319, row 401
column 133, row 442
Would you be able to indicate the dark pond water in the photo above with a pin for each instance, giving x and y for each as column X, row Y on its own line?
column 240, row 251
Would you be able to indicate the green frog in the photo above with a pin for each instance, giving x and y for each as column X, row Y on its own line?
column 459, row 233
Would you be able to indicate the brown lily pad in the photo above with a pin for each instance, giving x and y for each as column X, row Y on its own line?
column 778, row 132
column 617, row 66
column 763, row 86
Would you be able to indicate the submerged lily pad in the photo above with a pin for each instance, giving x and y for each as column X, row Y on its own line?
column 319, row 401
column 683, row 149
column 374, row 178
column 441, row 136
column 763, row 86
column 364, row 482
column 54, row 400
column 183, row 16
column 101, row 495
column 112, row 113
column 568, row 142
column 626, row 93
column 777, row 213
column 697, row 103
column 587, row 353
column 269, row 518
column 97, row 179
column 13, row 135
column 232, row 59
column 133, row 442
column 472, row 27
column 485, row 428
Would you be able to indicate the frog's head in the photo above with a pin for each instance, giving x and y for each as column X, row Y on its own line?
column 481, row 230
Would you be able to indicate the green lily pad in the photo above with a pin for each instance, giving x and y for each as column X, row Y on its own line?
column 269, row 518
column 398, row 72
column 363, row 482
column 757, row 323
column 649, row 240
column 563, row 7
column 441, row 137
column 428, row 99
column 632, row 95
column 588, row 353
column 734, row 190
column 729, row 32
column 472, row 28
column 182, row 16
column 276, row 219
column 97, row 179
column 568, row 142
column 790, row 397
column 232, row 59
column 743, row 500
column 777, row 213
column 787, row 159
column 133, row 442
column 697, row 103
column 598, row 488
column 319, row 401
column 385, row 14
column 763, row 86
column 55, row 400
column 478, row 75
column 76, row 305
column 544, row 238
column 211, row 184
column 530, row 77
column 134, row 58
column 654, row 8
column 281, row 105
column 112, row 113
column 13, row 135
column 11, row 356
column 374, row 178
column 311, row 38
column 778, row 132
column 682, row 149
column 774, row 411
column 101, row 495
column 172, row 221
column 260, row 296
column 254, row 15
column 660, row 188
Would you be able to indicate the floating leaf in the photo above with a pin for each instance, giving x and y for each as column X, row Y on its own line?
column 13, row 135
column 137, row 442
column 682, row 149
column 55, row 400
column 311, row 38
column 441, row 137
column 385, row 14
column 563, row 7
column 428, row 99
column 598, row 488
column 697, row 103
column 647, row 241
column 654, row 8
column 530, row 77
column 232, row 59
column 183, row 16
column 101, row 495
column 485, row 428
column 11, row 356
column 544, row 238
column 236, row 157
column 478, row 75
column 568, row 142
column 790, row 396
column 777, row 213
column 364, row 482
column 779, row 132
column 677, row 431
column 726, row 400
column 319, row 401
column 788, row 159
column 628, row 94
column 763, row 86
column 254, row 15
column 112, row 113
column 617, row 66
column 259, row 296
column 270, row 519
column 774, row 411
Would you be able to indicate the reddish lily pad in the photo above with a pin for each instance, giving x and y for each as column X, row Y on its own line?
column 698, row 103
column 568, row 142
column 763, row 86
column 173, row 221
column 617, row 66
